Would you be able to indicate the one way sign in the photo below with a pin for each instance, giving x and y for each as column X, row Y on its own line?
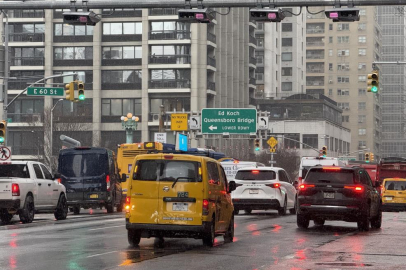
column 194, row 123
column 263, row 122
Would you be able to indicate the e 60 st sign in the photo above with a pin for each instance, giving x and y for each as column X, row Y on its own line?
column 233, row 121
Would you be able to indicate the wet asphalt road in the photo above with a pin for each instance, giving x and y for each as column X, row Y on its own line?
column 263, row 240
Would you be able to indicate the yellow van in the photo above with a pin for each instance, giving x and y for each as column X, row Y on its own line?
column 394, row 194
column 175, row 195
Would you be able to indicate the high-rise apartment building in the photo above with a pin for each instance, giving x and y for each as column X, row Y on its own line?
column 133, row 61
column 392, row 80
column 338, row 58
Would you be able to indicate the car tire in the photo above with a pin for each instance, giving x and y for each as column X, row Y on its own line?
column 282, row 211
column 302, row 221
column 28, row 212
column 76, row 210
column 319, row 222
column 61, row 211
column 134, row 237
column 293, row 210
column 248, row 211
column 6, row 217
column 229, row 235
column 236, row 211
column 208, row 237
column 376, row 222
column 110, row 208
column 363, row 222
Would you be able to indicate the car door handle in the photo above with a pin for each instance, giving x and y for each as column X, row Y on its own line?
column 39, row 184
column 49, row 185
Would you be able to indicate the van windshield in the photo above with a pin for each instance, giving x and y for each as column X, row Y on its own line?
column 395, row 185
column 336, row 176
column 255, row 175
column 87, row 165
column 167, row 170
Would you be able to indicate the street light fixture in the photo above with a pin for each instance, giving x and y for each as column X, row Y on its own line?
column 129, row 123
column 52, row 123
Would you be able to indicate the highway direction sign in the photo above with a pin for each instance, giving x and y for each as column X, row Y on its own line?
column 233, row 121
column 45, row 91
column 263, row 122
column 194, row 122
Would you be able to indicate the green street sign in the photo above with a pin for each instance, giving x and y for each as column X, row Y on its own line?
column 233, row 121
column 45, row 91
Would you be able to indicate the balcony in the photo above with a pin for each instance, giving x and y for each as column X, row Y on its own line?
column 253, row 81
column 73, row 62
column 320, row 43
column 253, row 60
column 211, row 85
column 315, row 83
column 211, row 61
column 121, row 86
column 25, row 117
column 169, row 34
column 252, row 40
column 315, row 70
column 163, row 11
column 27, row 37
column 314, row 31
column 170, row 59
column 122, row 62
column 39, row 13
column 211, row 37
column 18, row 85
column 27, row 61
column 164, row 84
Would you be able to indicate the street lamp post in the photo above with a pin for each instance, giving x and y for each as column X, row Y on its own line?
column 52, row 124
column 129, row 123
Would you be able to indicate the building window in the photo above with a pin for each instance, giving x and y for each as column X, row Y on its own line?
column 330, row 66
column 170, row 104
column 343, row 39
column 345, row 118
column 122, row 52
column 286, row 71
column 259, row 76
column 73, row 53
column 343, row 105
column 362, row 39
column 310, row 141
column 362, row 26
column 362, row 78
column 330, row 26
column 27, row 56
column 72, row 30
column 121, row 79
column 170, row 78
column 286, row 86
column 362, row 131
column 84, row 76
column 362, row 12
column 362, row 52
column 330, row 52
column 343, row 52
column 25, row 77
column 288, row 12
column 343, row 92
column 343, row 26
column 362, row 144
column 260, row 25
column 27, row 28
column 287, row 42
column 343, row 66
column 361, row 118
column 122, row 28
column 119, row 107
column 287, row 27
column 362, row 105
column 82, row 111
column 260, row 42
column 330, row 39
column 362, row 66
column 330, row 92
column 287, row 56
column 362, row 92
column 343, row 79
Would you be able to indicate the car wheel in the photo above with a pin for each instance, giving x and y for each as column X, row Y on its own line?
column 76, row 210
column 302, row 221
column 70, row 209
column 293, row 210
column 282, row 211
column 319, row 222
column 248, row 211
column 229, row 235
column 28, row 212
column 134, row 237
column 61, row 210
column 110, row 208
column 159, row 242
column 376, row 222
column 208, row 238
column 5, row 217
column 236, row 211
column 363, row 221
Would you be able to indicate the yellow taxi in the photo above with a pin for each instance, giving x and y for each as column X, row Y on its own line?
column 175, row 195
column 394, row 194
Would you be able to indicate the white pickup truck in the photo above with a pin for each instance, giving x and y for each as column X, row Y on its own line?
column 27, row 187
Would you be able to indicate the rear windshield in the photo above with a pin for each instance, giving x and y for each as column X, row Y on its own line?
column 255, row 175
column 167, row 171
column 14, row 170
column 330, row 176
column 86, row 165
column 395, row 185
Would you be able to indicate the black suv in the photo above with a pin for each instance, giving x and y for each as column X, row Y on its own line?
column 338, row 193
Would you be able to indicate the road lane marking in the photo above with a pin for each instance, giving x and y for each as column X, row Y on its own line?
column 106, row 228
column 95, row 255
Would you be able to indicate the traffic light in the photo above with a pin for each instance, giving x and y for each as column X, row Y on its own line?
column 324, row 151
column 373, row 81
column 266, row 15
column 81, row 18
column 367, row 157
column 3, row 126
column 343, row 14
column 196, row 15
column 371, row 156
column 70, row 91
column 257, row 144
column 81, row 91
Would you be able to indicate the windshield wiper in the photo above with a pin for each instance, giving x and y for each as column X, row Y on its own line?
column 187, row 178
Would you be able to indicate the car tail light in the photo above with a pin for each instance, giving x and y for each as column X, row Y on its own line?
column 205, row 207
column 332, row 168
column 255, row 171
column 274, row 185
column 15, row 190
column 358, row 189
column 304, row 186
column 108, row 182
column 127, row 204
column 59, row 180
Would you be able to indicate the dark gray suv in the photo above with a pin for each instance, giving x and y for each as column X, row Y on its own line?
column 339, row 193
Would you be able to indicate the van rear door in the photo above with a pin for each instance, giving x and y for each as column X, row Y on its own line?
column 180, row 191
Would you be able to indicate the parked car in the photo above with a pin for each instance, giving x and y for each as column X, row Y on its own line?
column 176, row 195
column 28, row 187
column 91, row 178
column 263, row 188
column 339, row 193
column 394, row 194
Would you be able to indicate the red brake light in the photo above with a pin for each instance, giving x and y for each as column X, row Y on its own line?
column 15, row 190
column 255, row 171
column 274, row 185
column 355, row 188
column 304, row 186
column 59, row 180
column 205, row 207
column 333, row 168
column 108, row 182
column 127, row 204
column 168, row 157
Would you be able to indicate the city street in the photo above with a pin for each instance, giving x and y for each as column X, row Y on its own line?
column 263, row 240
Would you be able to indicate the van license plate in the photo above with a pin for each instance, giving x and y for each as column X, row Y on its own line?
column 254, row 191
column 179, row 206
column 94, row 196
column 329, row 195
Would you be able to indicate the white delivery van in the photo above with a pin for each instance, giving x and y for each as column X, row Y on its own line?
column 307, row 162
column 231, row 166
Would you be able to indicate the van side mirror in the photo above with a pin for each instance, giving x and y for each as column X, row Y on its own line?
column 231, row 186
column 123, row 178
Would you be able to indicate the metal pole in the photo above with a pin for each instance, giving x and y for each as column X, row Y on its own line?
column 129, row 135
column 52, row 124
column 6, row 73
